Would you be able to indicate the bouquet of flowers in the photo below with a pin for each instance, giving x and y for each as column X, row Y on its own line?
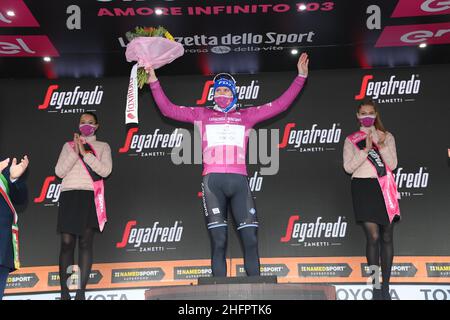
column 151, row 47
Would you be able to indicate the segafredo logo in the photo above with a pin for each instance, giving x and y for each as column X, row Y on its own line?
column 246, row 92
column 412, row 184
column 73, row 101
column 152, row 144
column 150, row 239
column 255, row 182
column 311, row 139
column 314, row 234
column 389, row 91
column 50, row 191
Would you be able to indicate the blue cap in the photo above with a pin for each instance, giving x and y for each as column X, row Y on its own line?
column 226, row 80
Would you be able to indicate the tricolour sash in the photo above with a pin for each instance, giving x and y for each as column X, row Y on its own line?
column 384, row 175
column 15, row 227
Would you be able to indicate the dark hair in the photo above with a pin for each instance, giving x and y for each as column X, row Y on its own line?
column 91, row 114
column 369, row 102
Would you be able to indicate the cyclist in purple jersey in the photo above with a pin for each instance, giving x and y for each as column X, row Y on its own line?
column 225, row 131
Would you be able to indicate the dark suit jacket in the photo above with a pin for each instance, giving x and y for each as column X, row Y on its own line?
column 18, row 195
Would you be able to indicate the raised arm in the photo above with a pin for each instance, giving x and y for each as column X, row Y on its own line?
column 169, row 109
column 271, row 109
column 17, row 188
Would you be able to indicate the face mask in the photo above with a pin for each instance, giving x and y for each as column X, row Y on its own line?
column 223, row 101
column 87, row 129
column 367, row 121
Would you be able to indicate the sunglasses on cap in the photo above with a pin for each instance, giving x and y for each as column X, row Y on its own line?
column 226, row 76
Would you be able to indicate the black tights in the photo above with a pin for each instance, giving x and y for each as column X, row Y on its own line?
column 380, row 248
column 66, row 259
column 249, row 241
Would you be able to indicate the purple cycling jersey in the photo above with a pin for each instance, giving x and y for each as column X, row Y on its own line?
column 225, row 135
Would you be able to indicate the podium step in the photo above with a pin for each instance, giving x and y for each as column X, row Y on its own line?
column 236, row 280
column 242, row 289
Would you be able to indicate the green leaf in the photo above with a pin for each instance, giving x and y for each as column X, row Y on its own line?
column 142, row 77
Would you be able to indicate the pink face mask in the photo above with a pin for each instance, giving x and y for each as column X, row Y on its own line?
column 367, row 121
column 87, row 130
column 223, row 101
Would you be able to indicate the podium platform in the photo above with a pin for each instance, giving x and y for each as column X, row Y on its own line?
column 242, row 288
